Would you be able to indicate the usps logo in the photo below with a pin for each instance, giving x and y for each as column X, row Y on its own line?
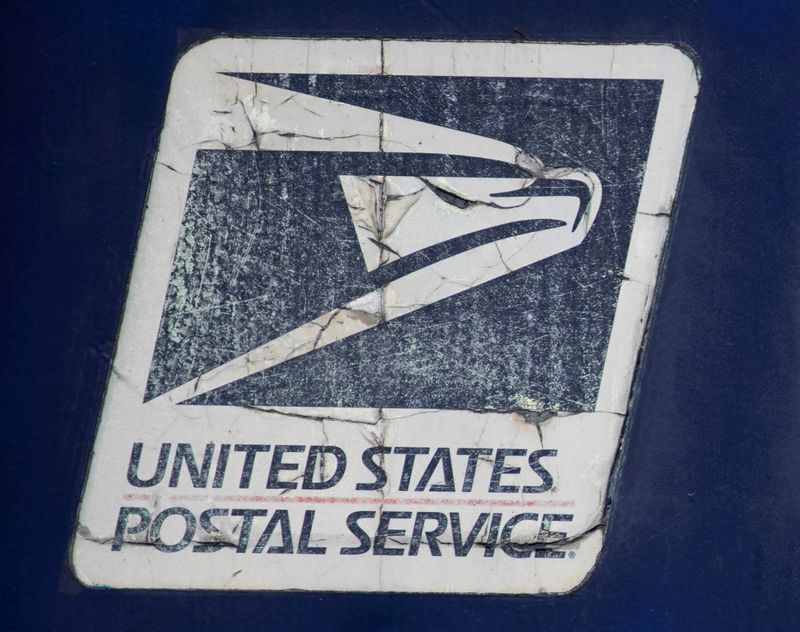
column 384, row 316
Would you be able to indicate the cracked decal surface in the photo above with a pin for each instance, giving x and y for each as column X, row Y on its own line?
column 386, row 309
column 252, row 218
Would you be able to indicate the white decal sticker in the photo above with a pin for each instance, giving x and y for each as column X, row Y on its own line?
column 384, row 316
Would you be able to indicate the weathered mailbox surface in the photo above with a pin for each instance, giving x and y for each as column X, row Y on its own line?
column 385, row 315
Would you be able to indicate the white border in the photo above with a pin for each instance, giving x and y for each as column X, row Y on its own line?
column 187, row 128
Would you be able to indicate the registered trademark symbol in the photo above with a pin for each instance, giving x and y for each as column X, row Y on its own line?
column 572, row 554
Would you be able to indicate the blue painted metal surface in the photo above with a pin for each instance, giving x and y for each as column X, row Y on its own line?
column 704, row 531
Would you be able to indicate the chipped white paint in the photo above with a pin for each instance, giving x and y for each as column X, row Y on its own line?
column 403, row 214
column 207, row 109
